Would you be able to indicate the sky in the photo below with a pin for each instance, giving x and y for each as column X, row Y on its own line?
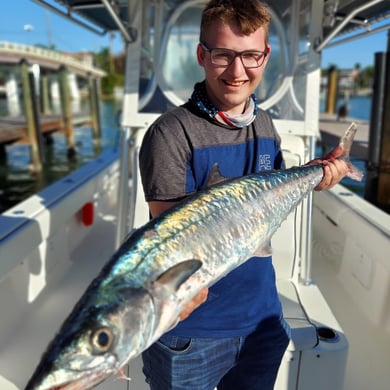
column 24, row 21
column 360, row 51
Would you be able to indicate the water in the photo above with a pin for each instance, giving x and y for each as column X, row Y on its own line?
column 359, row 106
column 18, row 183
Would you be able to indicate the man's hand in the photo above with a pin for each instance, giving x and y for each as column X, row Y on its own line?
column 334, row 169
column 194, row 303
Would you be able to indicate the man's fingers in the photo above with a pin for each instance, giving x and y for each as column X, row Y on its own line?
column 194, row 303
column 334, row 171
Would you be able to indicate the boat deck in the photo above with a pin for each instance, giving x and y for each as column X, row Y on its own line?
column 368, row 357
column 85, row 263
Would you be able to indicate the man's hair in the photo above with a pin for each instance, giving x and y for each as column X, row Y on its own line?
column 247, row 15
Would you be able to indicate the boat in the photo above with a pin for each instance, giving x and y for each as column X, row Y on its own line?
column 331, row 254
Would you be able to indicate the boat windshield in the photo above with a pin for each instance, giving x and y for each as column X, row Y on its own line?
column 169, row 67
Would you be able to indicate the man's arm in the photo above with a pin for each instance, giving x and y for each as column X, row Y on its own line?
column 157, row 207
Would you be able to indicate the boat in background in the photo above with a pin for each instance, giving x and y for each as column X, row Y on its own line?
column 331, row 254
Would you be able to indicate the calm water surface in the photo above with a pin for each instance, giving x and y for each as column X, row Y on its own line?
column 359, row 107
column 17, row 182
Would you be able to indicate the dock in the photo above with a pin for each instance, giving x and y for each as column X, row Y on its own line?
column 14, row 129
column 35, row 127
column 332, row 129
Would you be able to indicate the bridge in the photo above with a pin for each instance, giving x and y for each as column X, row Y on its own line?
column 37, row 84
column 13, row 53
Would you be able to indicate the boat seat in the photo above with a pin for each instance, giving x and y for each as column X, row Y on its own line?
column 303, row 331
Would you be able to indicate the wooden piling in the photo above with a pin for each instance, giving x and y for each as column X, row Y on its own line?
column 94, row 107
column 33, row 129
column 331, row 96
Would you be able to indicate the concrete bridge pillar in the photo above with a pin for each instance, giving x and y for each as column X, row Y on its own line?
column 73, row 88
column 67, row 113
column 12, row 93
column 74, row 92
column 55, row 89
column 45, row 99
column 55, row 94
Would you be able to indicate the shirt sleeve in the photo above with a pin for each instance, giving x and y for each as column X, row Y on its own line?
column 164, row 157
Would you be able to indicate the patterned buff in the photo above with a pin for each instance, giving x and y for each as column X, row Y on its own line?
column 231, row 121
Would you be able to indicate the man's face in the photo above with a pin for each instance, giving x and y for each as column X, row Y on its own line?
column 229, row 87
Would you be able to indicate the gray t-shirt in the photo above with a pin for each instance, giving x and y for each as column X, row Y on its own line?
column 182, row 145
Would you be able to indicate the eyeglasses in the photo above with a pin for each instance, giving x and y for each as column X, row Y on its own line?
column 225, row 57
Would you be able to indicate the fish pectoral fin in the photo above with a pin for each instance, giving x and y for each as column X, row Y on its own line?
column 175, row 276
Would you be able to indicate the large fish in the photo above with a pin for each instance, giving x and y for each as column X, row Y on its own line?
column 141, row 291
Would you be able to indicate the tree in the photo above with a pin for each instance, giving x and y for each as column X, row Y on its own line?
column 104, row 61
column 366, row 78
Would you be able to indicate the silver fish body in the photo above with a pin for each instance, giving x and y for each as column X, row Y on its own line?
column 141, row 291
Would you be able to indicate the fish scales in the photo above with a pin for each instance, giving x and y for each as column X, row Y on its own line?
column 184, row 233
column 140, row 292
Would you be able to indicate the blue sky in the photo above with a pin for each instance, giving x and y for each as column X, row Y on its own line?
column 24, row 21
column 361, row 51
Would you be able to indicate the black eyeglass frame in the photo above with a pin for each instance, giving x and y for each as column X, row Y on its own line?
column 236, row 54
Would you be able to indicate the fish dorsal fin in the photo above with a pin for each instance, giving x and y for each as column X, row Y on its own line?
column 215, row 176
column 175, row 276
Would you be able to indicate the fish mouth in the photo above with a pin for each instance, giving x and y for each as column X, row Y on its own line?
column 76, row 385
column 85, row 381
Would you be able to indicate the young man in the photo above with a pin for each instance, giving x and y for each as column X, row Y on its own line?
column 237, row 337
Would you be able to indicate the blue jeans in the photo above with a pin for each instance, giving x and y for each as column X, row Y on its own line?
column 245, row 363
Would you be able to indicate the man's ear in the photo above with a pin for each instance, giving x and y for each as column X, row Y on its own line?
column 200, row 54
column 268, row 49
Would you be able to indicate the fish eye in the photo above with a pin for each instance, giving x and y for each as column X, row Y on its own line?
column 102, row 339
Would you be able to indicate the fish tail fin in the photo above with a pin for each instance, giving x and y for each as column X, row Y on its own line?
column 346, row 143
column 343, row 150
